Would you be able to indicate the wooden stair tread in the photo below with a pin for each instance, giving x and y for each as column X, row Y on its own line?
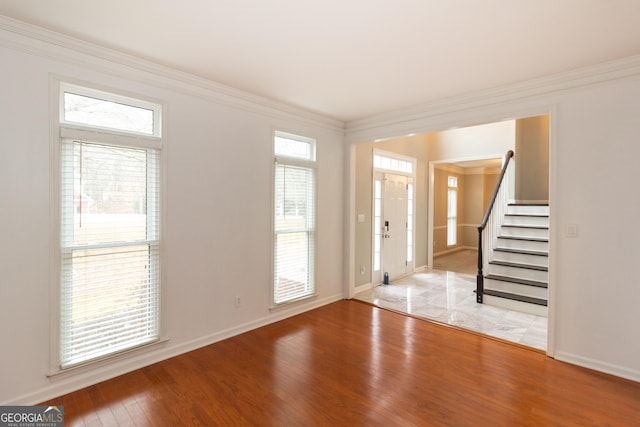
column 517, row 280
column 533, row 214
column 519, row 265
column 531, row 239
column 521, row 251
column 536, row 227
column 521, row 298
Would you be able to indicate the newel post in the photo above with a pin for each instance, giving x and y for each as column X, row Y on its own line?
column 480, row 275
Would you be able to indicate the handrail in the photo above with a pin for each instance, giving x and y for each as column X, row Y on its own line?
column 483, row 225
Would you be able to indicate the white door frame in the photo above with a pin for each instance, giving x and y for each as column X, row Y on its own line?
column 430, row 203
column 377, row 276
column 455, row 119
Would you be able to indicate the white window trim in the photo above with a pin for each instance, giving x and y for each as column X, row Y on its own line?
column 293, row 161
column 60, row 130
column 109, row 95
column 396, row 156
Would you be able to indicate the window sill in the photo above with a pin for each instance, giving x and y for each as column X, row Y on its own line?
column 300, row 300
column 119, row 357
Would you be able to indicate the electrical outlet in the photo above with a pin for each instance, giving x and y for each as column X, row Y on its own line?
column 238, row 301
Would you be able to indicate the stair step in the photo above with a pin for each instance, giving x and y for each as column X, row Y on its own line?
column 531, row 209
column 515, row 288
column 522, row 251
column 518, row 272
column 525, row 238
column 531, row 214
column 514, row 243
column 526, row 231
column 521, row 298
column 541, row 220
column 522, row 203
column 517, row 280
column 519, row 265
column 509, row 304
column 526, row 226
column 537, row 258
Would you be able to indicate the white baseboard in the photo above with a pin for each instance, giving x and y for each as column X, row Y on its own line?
column 67, row 383
column 597, row 365
column 363, row 288
column 452, row 250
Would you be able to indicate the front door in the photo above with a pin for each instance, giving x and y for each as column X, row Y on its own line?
column 394, row 225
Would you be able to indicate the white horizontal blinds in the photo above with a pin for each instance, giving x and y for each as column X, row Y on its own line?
column 294, row 218
column 110, row 249
column 110, row 223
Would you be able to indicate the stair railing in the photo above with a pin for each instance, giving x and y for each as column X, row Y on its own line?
column 490, row 226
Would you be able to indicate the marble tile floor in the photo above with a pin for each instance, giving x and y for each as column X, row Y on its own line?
column 448, row 297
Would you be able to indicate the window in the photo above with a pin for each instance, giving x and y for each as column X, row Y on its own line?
column 409, row 223
column 109, row 224
column 452, row 210
column 392, row 163
column 377, row 224
column 294, row 218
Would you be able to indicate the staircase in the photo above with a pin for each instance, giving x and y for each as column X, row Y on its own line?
column 516, row 277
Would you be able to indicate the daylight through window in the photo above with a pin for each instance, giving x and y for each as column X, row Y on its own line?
column 110, row 226
column 294, row 218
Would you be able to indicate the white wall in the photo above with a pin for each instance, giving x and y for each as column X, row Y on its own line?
column 594, row 151
column 482, row 141
column 218, row 206
column 217, row 239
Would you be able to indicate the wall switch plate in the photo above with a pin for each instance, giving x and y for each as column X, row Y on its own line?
column 360, row 217
column 571, row 230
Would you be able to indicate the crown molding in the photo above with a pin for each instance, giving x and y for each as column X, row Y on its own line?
column 28, row 38
column 414, row 119
column 482, row 171
column 448, row 167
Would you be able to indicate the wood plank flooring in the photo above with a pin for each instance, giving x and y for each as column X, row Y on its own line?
column 352, row 364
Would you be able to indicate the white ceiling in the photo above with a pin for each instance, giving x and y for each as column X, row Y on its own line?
column 350, row 59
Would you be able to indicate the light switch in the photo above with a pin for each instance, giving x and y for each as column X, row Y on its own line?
column 360, row 217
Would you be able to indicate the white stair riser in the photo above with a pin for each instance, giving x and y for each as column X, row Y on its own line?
column 525, row 245
column 521, row 258
column 520, row 306
column 519, row 273
column 539, row 233
column 528, row 209
column 515, row 288
column 540, row 221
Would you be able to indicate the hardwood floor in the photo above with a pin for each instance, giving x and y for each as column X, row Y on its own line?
column 350, row 363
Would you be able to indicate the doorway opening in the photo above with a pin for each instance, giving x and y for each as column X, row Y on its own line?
column 529, row 138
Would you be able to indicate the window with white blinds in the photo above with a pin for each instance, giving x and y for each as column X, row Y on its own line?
column 109, row 235
column 294, row 218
